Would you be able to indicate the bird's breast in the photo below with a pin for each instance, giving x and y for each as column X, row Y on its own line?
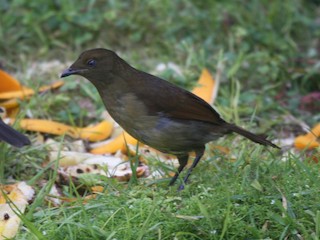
column 129, row 112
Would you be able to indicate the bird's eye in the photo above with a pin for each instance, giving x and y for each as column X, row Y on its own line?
column 92, row 63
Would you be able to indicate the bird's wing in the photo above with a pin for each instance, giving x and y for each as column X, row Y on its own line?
column 162, row 97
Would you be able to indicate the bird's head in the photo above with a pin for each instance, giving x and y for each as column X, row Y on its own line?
column 92, row 63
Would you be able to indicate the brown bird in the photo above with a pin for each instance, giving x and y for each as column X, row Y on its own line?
column 11, row 136
column 154, row 111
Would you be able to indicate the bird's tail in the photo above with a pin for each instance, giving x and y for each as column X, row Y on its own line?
column 12, row 136
column 261, row 139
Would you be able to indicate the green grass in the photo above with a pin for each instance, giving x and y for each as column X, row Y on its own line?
column 270, row 53
column 256, row 197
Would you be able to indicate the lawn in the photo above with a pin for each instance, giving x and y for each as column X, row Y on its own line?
column 266, row 56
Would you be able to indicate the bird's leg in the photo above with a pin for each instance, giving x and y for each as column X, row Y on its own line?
column 199, row 154
column 183, row 160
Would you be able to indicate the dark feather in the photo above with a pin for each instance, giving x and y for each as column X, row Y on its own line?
column 11, row 136
column 183, row 105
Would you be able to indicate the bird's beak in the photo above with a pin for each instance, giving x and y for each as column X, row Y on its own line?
column 70, row 71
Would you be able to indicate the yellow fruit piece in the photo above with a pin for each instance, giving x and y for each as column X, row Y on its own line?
column 310, row 140
column 95, row 133
column 205, row 88
column 118, row 143
column 25, row 92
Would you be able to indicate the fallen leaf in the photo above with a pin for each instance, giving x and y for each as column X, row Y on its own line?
column 309, row 140
column 118, row 143
column 206, row 87
column 98, row 132
column 8, row 83
column 27, row 92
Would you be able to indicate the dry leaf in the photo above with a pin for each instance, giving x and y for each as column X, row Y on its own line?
column 27, row 92
column 207, row 87
column 310, row 140
column 118, row 143
column 8, row 83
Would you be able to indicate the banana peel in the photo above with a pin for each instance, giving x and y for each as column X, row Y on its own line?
column 95, row 133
